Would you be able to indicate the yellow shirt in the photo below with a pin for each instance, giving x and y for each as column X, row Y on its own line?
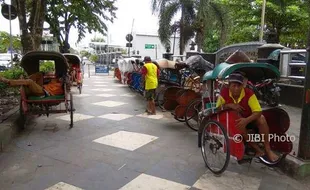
column 151, row 81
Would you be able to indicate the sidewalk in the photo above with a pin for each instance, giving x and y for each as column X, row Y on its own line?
column 115, row 145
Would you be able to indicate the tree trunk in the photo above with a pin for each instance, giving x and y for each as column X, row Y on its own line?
column 182, row 43
column 31, row 31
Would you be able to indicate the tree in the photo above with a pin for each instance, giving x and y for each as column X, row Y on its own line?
column 211, row 18
column 83, row 15
column 286, row 17
column 167, row 9
column 97, row 39
column 84, row 53
column 94, row 58
column 31, row 18
column 5, row 42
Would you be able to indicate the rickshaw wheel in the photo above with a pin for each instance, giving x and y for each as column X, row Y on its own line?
column 71, row 110
column 191, row 112
column 22, row 117
column 215, row 145
column 80, row 88
column 160, row 99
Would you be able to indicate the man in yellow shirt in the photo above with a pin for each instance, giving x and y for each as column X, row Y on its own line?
column 244, row 101
column 150, row 73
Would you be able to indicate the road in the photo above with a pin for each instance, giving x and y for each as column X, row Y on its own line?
column 114, row 145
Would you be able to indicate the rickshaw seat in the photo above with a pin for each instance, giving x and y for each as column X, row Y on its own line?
column 57, row 97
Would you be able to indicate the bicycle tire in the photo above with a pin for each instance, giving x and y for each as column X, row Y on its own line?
column 187, row 111
column 204, row 154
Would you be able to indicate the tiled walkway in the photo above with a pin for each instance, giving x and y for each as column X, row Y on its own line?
column 115, row 145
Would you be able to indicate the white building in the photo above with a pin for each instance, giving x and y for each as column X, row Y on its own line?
column 150, row 45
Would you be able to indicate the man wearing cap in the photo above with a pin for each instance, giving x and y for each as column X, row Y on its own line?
column 150, row 74
column 244, row 101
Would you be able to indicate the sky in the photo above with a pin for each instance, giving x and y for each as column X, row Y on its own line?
column 128, row 10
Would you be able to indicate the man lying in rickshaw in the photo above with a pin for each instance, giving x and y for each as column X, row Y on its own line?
column 35, row 87
column 243, row 100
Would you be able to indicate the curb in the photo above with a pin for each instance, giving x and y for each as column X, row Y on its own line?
column 295, row 167
column 8, row 127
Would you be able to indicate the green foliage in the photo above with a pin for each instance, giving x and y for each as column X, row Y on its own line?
column 97, row 40
column 94, row 58
column 5, row 42
column 167, row 9
column 85, row 16
column 84, row 53
column 288, row 18
column 15, row 73
column 47, row 66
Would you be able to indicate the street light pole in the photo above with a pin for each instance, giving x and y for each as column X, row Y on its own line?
column 262, row 22
column 10, row 31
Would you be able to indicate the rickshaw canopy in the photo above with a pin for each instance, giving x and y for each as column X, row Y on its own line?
column 197, row 62
column 253, row 71
column 31, row 62
column 166, row 64
column 73, row 58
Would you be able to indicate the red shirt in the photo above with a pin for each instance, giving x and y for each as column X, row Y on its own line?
column 247, row 100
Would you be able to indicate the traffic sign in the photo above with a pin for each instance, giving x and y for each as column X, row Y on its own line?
column 149, row 46
column 5, row 12
column 129, row 37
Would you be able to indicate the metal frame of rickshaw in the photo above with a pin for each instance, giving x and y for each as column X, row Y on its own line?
column 33, row 105
column 182, row 73
column 225, row 118
column 76, row 60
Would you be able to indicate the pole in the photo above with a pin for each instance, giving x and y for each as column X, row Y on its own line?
column 304, row 135
column 156, row 51
column 173, row 42
column 262, row 22
column 10, row 33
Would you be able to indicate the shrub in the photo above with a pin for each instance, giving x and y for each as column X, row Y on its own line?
column 47, row 66
column 14, row 73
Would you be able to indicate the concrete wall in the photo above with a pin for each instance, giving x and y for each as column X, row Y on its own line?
column 139, row 41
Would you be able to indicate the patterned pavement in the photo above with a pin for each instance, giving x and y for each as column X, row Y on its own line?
column 115, row 145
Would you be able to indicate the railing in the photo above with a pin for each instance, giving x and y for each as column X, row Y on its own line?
column 292, row 64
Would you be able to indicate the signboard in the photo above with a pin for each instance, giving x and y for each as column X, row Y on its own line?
column 5, row 11
column 101, row 69
column 149, row 46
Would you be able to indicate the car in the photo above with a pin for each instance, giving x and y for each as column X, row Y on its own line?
column 5, row 59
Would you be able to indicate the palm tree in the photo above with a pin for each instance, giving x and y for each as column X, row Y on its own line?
column 167, row 9
column 210, row 13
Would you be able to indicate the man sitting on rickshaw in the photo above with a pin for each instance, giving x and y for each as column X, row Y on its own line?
column 244, row 101
column 34, row 85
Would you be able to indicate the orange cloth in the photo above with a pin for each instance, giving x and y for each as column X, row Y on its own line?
column 54, row 88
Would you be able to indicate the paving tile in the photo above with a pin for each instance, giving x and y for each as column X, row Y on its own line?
column 100, row 85
column 128, row 95
column 228, row 180
column 157, row 116
column 102, row 176
column 105, row 95
column 116, row 117
column 102, row 89
column 100, row 82
column 63, row 186
column 176, row 169
column 126, row 140
column 109, row 103
column 147, row 182
column 76, row 117
column 81, row 95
